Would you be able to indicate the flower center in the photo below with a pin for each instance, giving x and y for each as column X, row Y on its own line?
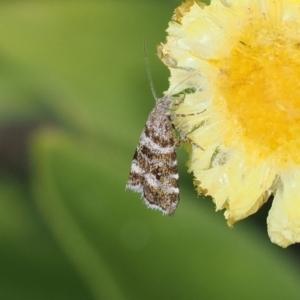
column 260, row 82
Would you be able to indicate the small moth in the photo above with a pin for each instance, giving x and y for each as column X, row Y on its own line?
column 154, row 171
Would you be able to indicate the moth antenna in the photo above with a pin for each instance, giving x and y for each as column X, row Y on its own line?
column 149, row 72
column 154, row 172
column 183, row 80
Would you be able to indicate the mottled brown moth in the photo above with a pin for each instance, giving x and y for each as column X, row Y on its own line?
column 154, row 171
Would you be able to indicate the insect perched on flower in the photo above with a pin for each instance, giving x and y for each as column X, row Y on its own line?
column 154, row 166
column 245, row 146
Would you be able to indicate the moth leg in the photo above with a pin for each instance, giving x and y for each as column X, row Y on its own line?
column 182, row 139
column 188, row 115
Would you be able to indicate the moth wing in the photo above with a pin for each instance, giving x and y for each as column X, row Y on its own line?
column 135, row 180
column 154, row 171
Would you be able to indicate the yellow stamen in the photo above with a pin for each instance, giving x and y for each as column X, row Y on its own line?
column 260, row 81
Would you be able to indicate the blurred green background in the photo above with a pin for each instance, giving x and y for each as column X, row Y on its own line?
column 74, row 97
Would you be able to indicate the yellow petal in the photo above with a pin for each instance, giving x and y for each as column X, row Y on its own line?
column 284, row 216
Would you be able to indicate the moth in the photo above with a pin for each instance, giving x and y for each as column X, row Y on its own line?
column 154, row 171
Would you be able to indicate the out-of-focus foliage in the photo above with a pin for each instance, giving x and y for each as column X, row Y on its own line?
column 68, row 230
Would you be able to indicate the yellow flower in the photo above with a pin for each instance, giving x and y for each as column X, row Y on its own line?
column 237, row 62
